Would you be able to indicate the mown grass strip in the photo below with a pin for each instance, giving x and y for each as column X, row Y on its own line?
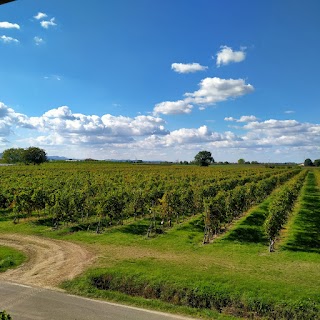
column 304, row 230
column 249, row 229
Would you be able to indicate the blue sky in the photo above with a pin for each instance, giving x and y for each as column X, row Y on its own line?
column 161, row 80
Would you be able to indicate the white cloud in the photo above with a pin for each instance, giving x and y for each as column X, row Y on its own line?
column 226, row 55
column 61, row 113
column 187, row 67
column 6, row 39
column 40, row 15
column 289, row 112
column 9, row 25
column 273, row 124
column 38, row 41
column 247, row 118
column 230, row 119
column 213, row 90
column 242, row 119
column 173, row 107
column 191, row 136
column 47, row 23
column 84, row 129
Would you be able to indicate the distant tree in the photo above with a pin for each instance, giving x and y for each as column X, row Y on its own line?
column 13, row 155
column 203, row 158
column 254, row 162
column 316, row 162
column 241, row 161
column 34, row 155
column 308, row 163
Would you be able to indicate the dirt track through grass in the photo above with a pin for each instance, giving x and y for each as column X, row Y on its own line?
column 49, row 261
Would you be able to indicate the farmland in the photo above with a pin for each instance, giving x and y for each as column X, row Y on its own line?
column 179, row 238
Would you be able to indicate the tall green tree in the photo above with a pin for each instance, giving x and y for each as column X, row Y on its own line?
column 316, row 162
column 308, row 163
column 34, row 155
column 13, row 155
column 203, row 158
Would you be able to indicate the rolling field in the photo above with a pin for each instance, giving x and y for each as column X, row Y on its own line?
column 148, row 237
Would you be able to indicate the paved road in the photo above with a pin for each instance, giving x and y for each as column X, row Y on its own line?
column 32, row 303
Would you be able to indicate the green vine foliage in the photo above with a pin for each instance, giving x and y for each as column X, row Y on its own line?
column 282, row 204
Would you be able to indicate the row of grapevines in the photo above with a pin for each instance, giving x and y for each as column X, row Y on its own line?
column 281, row 206
column 228, row 205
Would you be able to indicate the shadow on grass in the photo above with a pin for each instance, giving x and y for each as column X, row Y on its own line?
column 306, row 228
column 251, row 230
column 247, row 234
column 137, row 228
column 196, row 225
column 47, row 222
column 256, row 219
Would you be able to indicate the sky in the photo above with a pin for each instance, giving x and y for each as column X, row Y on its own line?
column 161, row 80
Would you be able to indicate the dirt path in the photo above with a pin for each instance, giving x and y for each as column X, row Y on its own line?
column 49, row 261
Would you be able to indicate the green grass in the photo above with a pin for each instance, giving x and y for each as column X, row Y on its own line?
column 10, row 258
column 304, row 227
column 250, row 229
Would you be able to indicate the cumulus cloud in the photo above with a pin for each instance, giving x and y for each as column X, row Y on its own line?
column 213, row 90
column 191, row 136
column 61, row 113
column 48, row 23
column 226, row 55
column 40, row 15
column 9, row 25
column 274, row 124
column 10, row 119
column 272, row 132
column 6, row 39
column 187, row 67
column 173, row 107
column 242, row 119
column 80, row 129
column 38, row 41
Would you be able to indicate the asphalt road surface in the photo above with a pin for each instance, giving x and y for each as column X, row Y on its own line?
column 32, row 303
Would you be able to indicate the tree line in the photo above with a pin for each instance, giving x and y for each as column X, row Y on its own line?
column 31, row 155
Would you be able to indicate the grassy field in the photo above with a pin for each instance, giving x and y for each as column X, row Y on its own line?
column 235, row 276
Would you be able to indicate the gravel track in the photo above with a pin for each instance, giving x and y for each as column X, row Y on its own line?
column 49, row 261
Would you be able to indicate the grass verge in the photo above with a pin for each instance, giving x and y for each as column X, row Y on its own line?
column 10, row 258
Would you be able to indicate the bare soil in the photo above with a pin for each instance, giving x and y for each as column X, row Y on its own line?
column 49, row 261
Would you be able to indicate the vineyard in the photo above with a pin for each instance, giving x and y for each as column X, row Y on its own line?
column 223, row 239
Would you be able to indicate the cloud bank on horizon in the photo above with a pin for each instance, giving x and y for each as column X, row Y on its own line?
column 204, row 107
column 147, row 134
